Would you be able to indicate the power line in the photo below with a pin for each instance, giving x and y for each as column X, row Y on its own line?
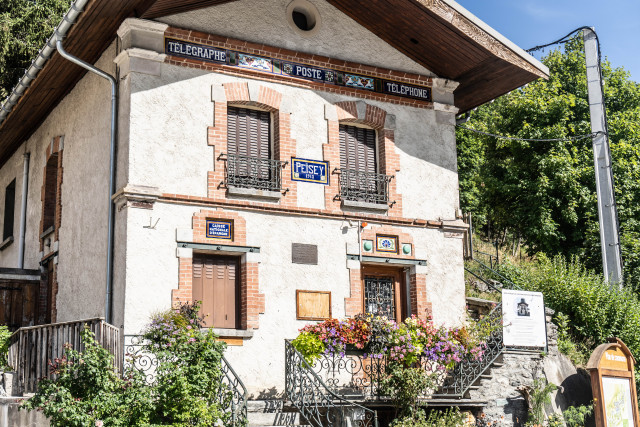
column 564, row 39
column 513, row 138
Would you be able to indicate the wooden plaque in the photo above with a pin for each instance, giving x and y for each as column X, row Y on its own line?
column 313, row 305
column 613, row 385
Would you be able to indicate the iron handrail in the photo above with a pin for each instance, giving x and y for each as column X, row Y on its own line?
column 466, row 372
column 235, row 384
column 314, row 399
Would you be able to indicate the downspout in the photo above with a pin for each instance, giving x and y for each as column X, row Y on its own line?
column 112, row 169
column 23, row 211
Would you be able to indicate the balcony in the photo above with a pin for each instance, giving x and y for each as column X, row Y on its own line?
column 253, row 176
column 367, row 190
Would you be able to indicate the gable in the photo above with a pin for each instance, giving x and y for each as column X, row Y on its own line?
column 266, row 21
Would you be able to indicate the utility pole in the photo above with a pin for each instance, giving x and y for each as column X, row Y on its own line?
column 607, row 210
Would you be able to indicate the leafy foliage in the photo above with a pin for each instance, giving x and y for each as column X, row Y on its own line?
column 539, row 396
column 24, row 28
column 595, row 310
column 576, row 416
column 5, row 335
column 405, row 386
column 448, row 418
column 543, row 193
column 88, row 392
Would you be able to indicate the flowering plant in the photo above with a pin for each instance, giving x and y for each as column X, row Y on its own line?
column 406, row 343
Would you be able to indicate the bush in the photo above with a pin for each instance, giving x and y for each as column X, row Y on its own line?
column 87, row 391
column 595, row 310
column 448, row 418
column 5, row 335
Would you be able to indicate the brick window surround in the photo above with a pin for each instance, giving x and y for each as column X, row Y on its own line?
column 363, row 114
column 251, row 301
column 420, row 305
column 284, row 147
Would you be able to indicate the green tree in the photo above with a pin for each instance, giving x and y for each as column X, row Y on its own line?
column 25, row 25
column 544, row 192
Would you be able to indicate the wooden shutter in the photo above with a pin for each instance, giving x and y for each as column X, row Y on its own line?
column 9, row 210
column 215, row 284
column 249, row 132
column 358, row 148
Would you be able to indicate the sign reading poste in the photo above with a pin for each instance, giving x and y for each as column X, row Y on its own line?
column 315, row 171
column 219, row 229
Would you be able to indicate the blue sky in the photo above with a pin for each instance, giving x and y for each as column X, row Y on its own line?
column 530, row 23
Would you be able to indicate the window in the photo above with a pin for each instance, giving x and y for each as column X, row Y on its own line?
column 383, row 292
column 9, row 210
column 50, row 193
column 215, row 284
column 359, row 177
column 249, row 158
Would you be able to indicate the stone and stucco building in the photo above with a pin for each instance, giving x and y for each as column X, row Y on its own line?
column 280, row 160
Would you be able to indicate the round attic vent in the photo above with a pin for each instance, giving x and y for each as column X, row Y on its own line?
column 303, row 17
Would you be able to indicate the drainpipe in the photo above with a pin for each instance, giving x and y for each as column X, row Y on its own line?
column 23, row 210
column 112, row 169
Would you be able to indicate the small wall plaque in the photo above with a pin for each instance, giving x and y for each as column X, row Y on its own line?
column 387, row 244
column 304, row 254
column 219, row 229
column 313, row 305
column 315, row 171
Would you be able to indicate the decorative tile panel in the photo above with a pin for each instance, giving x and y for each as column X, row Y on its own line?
column 295, row 70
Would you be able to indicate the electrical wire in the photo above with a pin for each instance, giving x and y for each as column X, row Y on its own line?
column 513, row 138
column 564, row 39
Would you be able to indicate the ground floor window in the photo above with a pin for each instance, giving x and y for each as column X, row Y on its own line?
column 215, row 283
column 383, row 292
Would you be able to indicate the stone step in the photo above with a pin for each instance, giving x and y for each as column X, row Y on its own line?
column 272, row 412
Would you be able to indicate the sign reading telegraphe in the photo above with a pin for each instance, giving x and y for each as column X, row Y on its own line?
column 315, row 171
column 524, row 323
column 269, row 65
column 217, row 229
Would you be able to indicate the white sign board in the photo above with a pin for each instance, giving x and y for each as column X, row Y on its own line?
column 523, row 319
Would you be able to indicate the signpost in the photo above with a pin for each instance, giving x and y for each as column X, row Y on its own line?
column 524, row 319
column 613, row 385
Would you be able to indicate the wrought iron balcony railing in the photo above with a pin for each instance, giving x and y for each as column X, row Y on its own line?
column 253, row 172
column 359, row 186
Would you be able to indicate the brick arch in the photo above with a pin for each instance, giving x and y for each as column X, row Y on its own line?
column 284, row 147
column 252, row 302
column 362, row 113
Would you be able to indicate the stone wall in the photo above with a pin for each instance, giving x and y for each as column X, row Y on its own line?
column 515, row 370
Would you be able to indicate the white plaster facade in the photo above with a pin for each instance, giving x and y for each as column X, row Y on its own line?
column 165, row 111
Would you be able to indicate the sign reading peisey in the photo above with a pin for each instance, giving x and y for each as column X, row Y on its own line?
column 217, row 229
column 310, row 171
column 291, row 69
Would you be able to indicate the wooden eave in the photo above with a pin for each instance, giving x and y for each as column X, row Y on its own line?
column 430, row 32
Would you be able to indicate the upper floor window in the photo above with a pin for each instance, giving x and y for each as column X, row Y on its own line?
column 50, row 193
column 9, row 210
column 249, row 151
column 359, row 177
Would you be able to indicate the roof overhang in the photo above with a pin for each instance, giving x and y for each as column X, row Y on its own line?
column 439, row 34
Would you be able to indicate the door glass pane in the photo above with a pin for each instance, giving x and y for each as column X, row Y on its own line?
column 378, row 297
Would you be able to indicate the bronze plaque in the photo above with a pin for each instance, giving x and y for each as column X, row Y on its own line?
column 304, row 254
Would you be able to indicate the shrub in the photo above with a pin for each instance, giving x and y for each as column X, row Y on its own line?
column 5, row 335
column 87, row 391
column 595, row 310
column 575, row 416
column 405, row 386
column 447, row 418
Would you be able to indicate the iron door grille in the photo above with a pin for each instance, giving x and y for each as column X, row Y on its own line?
column 379, row 297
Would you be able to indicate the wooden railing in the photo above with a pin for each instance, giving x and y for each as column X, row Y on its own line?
column 32, row 348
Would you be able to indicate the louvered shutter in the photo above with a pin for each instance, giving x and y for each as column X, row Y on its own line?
column 215, row 284
column 358, row 148
column 249, row 134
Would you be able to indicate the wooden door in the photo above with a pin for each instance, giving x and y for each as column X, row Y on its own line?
column 215, row 285
column 18, row 304
column 383, row 292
